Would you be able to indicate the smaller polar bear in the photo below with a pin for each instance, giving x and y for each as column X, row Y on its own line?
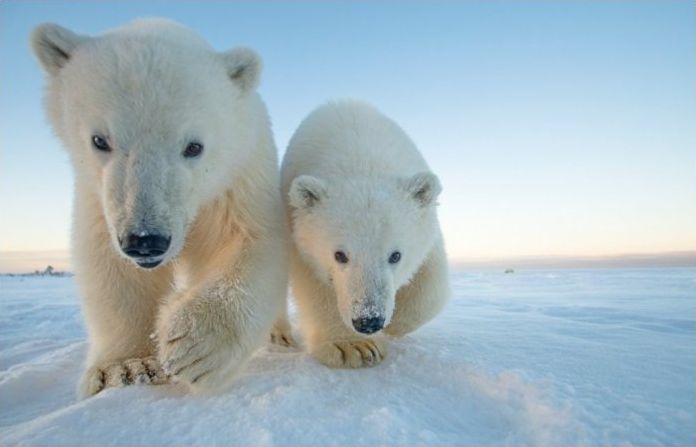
column 368, row 253
column 178, row 222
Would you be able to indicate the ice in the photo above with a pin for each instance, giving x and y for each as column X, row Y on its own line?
column 538, row 358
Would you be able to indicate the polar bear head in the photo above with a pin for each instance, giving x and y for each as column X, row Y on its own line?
column 366, row 238
column 156, row 123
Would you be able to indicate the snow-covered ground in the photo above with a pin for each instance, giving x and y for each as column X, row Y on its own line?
column 563, row 357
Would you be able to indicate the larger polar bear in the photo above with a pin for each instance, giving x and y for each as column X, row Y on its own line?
column 178, row 227
column 368, row 253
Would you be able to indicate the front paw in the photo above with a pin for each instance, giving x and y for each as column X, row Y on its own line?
column 134, row 371
column 193, row 348
column 351, row 354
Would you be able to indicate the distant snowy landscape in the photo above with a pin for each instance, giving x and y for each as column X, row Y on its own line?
column 538, row 357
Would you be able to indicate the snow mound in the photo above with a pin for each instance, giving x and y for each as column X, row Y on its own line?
column 535, row 358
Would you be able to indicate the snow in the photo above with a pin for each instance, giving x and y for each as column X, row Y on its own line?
column 558, row 357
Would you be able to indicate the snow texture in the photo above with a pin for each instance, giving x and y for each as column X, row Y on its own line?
column 538, row 358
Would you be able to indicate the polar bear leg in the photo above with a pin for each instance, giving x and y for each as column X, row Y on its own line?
column 120, row 318
column 119, row 299
column 424, row 297
column 207, row 333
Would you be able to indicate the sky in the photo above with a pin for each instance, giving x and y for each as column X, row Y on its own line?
column 556, row 128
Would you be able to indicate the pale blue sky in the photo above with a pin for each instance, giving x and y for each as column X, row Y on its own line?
column 564, row 128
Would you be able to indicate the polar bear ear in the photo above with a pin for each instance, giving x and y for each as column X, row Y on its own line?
column 243, row 67
column 306, row 191
column 53, row 45
column 423, row 187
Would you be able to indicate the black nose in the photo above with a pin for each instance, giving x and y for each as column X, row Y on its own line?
column 368, row 325
column 148, row 246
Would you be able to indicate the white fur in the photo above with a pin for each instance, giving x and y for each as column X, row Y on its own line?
column 354, row 182
column 150, row 88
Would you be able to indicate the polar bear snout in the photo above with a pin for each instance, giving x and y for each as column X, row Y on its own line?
column 147, row 250
column 368, row 325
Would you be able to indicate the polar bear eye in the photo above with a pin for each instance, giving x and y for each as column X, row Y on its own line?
column 394, row 257
column 341, row 257
column 194, row 149
column 100, row 143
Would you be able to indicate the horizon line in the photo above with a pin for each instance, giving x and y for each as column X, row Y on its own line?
column 681, row 258
column 24, row 261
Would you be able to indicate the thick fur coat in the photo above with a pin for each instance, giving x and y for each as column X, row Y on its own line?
column 169, row 140
column 367, row 256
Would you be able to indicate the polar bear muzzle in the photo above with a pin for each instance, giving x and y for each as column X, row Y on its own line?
column 147, row 250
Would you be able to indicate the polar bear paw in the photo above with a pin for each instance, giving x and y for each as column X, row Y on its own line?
column 137, row 371
column 351, row 354
column 281, row 334
column 194, row 348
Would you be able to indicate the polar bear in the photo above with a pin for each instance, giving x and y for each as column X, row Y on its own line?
column 368, row 253
column 179, row 244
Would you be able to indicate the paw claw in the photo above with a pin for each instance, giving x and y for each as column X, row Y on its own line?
column 176, row 339
column 281, row 333
column 199, row 377
column 350, row 354
column 282, row 338
column 134, row 371
column 192, row 364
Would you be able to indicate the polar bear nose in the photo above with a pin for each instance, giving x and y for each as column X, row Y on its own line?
column 146, row 246
column 368, row 325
